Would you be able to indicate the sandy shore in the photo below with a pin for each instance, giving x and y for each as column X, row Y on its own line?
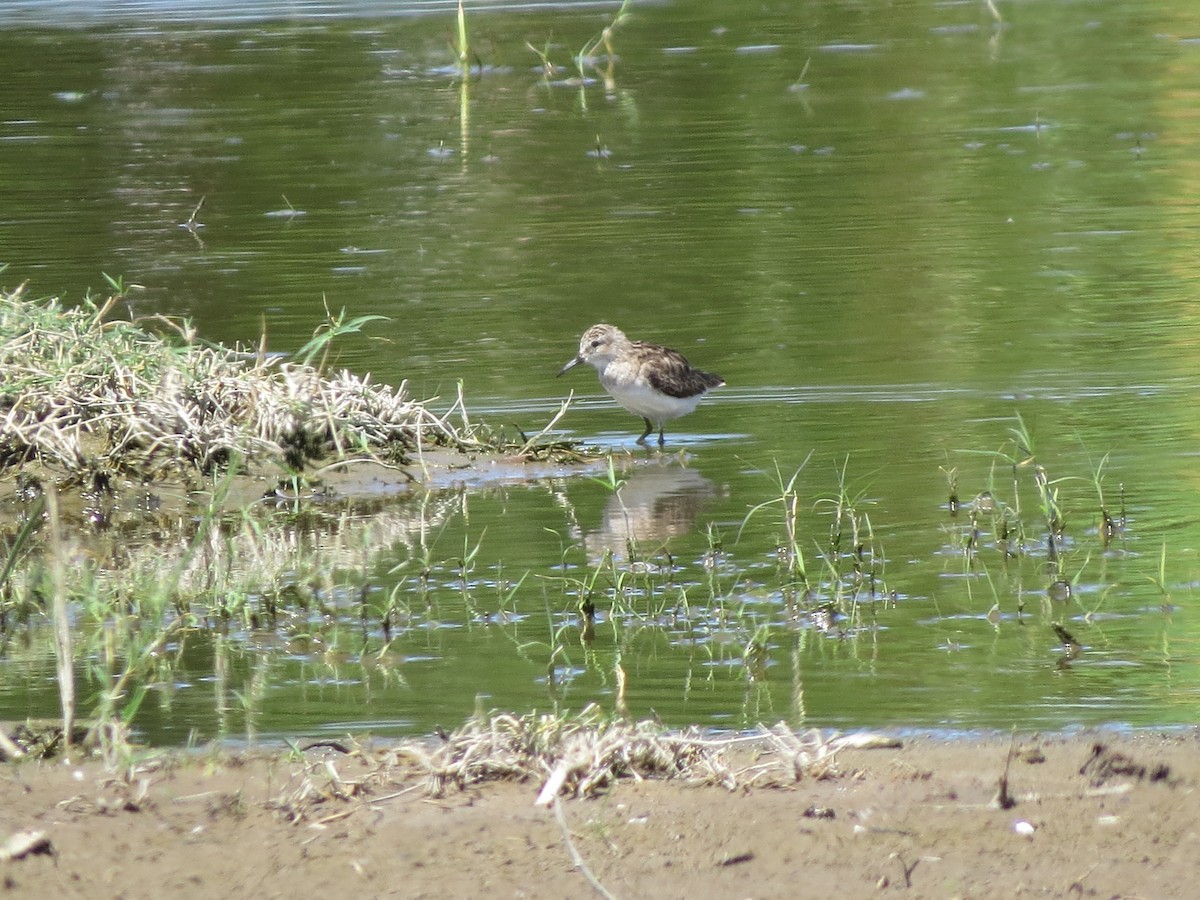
column 1095, row 814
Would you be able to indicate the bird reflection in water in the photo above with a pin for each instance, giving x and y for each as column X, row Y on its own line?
column 656, row 503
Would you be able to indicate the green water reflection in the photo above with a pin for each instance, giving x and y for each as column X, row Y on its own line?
column 889, row 228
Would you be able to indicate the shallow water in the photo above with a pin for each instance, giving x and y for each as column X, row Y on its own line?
column 890, row 230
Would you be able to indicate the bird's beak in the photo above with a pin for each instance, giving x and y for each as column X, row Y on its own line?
column 569, row 366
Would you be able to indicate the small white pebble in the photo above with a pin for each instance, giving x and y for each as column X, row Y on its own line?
column 1108, row 820
column 1023, row 828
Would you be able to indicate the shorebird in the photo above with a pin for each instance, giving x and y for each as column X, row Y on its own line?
column 651, row 381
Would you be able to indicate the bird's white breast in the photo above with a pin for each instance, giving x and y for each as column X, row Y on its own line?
column 628, row 386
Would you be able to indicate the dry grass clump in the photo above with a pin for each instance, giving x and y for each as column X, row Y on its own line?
column 92, row 397
column 581, row 754
column 575, row 756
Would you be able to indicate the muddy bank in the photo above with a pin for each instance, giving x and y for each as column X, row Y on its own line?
column 136, row 420
column 1095, row 814
column 133, row 506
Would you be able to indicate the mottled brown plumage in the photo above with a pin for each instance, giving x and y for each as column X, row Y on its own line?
column 651, row 381
column 669, row 371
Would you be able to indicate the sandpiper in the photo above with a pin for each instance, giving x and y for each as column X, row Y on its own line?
column 654, row 382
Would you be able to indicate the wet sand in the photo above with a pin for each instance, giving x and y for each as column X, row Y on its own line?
column 1093, row 814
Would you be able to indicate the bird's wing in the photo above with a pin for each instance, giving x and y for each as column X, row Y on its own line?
column 672, row 374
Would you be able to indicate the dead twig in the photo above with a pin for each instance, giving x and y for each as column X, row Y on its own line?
column 577, row 859
column 1003, row 799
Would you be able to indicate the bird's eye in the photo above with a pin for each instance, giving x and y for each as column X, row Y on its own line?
column 595, row 343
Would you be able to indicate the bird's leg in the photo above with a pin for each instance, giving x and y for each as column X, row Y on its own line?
column 661, row 440
column 646, row 433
